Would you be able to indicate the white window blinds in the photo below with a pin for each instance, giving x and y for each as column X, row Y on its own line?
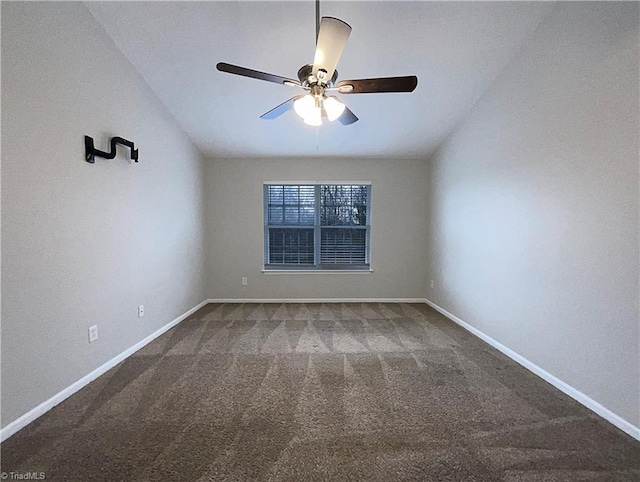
column 317, row 226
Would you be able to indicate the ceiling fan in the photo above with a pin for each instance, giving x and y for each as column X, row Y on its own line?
column 320, row 77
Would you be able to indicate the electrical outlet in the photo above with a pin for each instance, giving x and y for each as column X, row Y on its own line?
column 140, row 311
column 244, row 281
column 93, row 333
column 432, row 283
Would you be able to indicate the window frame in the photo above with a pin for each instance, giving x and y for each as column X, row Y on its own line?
column 317, row 227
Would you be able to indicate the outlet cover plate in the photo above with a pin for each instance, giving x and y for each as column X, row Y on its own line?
column 93, row 333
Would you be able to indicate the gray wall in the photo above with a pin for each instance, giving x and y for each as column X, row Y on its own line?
column 534, row 206
column 86, row 244
column 235, row 229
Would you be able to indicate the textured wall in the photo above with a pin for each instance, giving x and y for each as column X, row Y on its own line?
column 534, row 205
column 86, row 244
column 235, row 227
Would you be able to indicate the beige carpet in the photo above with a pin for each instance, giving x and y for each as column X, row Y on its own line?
column 327, row 392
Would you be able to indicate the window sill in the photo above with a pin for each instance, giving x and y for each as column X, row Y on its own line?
column 317, row 271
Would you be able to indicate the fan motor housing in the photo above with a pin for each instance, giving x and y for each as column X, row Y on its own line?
column 306, row 77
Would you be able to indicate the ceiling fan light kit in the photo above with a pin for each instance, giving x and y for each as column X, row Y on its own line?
column 321, row 76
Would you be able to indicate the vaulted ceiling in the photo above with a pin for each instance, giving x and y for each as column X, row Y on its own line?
column 456, row 49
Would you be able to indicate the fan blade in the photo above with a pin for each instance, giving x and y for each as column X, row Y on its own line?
column 281, row 109
column 332, row 38
column 255, row 74
column 383, row 84
column 347, row 117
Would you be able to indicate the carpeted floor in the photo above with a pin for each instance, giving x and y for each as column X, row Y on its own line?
column 335, row 392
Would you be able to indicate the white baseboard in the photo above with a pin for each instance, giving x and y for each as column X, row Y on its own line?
column 47, row 405
column 577, row 395
column 318, row 300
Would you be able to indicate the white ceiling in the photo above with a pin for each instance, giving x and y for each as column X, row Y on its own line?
column 455, row 48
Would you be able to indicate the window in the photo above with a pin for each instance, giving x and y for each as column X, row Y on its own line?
column 317, row 226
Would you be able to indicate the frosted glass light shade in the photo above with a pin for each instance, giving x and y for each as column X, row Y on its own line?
column 305, row 106
column 333, row 107
column 314, row 117
column 310, row 110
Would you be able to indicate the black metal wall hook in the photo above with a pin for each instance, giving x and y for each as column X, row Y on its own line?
column 91, row 152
